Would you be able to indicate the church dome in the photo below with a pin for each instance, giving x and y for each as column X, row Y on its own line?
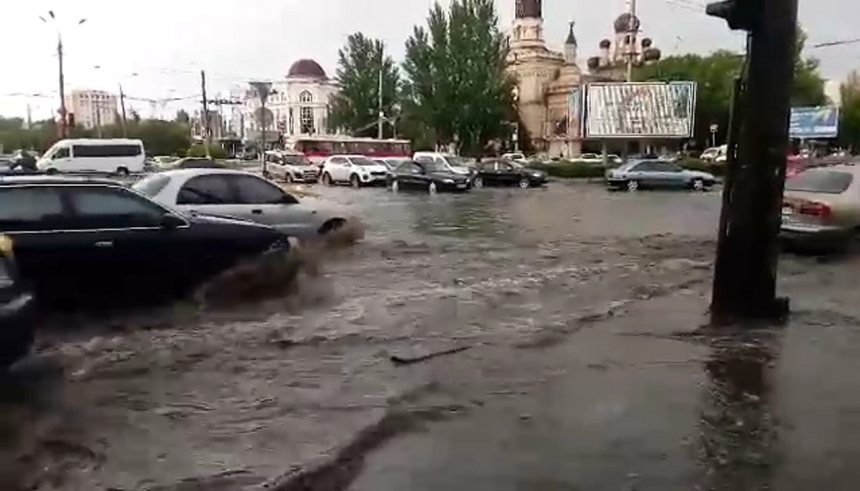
column 306, row 68
column 624, row 21
column 605, row 44
column 651, row 54
column 647, row 43
column 593, row 62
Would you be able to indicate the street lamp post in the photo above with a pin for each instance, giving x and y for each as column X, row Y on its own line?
column 63, row 115
column 515, row 94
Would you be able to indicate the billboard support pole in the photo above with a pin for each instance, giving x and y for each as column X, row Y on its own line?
column 745, row 273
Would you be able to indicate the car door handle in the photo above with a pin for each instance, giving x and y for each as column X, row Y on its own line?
column 257, row 211
column 104, row 243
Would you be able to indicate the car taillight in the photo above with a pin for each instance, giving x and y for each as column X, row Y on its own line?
column 819, row 210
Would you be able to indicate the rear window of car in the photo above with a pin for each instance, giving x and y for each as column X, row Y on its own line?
column 152, row 185
column 819, row 181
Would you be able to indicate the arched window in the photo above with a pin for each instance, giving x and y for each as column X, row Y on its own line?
column 306, row 96
column 306, row 119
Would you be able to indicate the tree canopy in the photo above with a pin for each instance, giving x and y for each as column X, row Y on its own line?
column 714, row 75
column 354, row 109
column 457, row 87
column 849, row 116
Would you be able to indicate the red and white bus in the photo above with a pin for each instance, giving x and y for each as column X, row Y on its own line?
column 318, row 148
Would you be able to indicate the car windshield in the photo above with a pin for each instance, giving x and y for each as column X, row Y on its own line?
column 295, row 160
column 434, row 167
column 362, row 161
column 820, row 181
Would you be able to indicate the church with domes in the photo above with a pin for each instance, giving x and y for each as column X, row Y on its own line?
column 298, row 105
column 550, row 83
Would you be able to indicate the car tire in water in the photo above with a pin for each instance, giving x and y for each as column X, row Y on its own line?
column 122, row 172
column 288, row 178
column 354, row 181
column 633, row 185
column 326, row 179
column 478, row 182
column 394, row 186
column 697, row 185
column 51, row 172
column 432, row 188
column 524, row 183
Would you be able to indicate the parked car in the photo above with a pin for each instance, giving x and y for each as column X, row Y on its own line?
column 657, row 174
column 17, row 308
column 451, row 163
column 427, row 176
column 290, row 167
column 505, row 173
column 515, row 157
column 94, row 240
column 238, row 194
column 821, row 207
column 198, row 163
column 715, row 154
column 356, row 170
column 597, row 159
column 107, row 156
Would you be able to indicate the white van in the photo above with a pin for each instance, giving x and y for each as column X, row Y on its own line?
column 715, row 154
column 120, row 156
column 453, row 163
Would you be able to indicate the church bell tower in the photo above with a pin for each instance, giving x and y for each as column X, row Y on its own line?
column 527, row 29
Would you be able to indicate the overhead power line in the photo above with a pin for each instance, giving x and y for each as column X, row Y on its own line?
column 836, row 43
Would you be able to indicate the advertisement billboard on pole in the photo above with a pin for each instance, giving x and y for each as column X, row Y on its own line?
column 574, row 113
column 640, row 110
column 814, row 122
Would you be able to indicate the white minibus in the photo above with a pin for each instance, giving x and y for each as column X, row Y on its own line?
column 112, row 156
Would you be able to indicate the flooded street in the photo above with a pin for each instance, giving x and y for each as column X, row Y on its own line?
column 565, row 323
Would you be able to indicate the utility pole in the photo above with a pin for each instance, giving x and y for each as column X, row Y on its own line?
column 63, row 115
column 205, row 115
column 381, row 114
column 98, row 107
column 745, row 271
column 632, row 31
column 263, row 90
column 122, row 108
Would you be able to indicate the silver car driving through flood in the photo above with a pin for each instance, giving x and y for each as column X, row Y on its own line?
column 657, row 174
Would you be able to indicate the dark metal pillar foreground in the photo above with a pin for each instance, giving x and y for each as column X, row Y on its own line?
column 745, row 280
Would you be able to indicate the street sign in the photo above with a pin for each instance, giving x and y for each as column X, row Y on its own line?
column 814, row 122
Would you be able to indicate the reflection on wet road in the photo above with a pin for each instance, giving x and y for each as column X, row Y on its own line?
column 567, row 299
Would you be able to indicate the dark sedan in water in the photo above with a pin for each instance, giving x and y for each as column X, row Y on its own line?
column 426, row 176
column 96, row 240
column 507, row 173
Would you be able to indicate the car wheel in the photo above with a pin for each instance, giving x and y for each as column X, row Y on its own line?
column 326, row 179
column 122, row 172
column 51, row 172
column 524, row 183
column 432, row 188
column 698, row 185
column 633, row 185
column 354, row 181
column 394, row 186
column 478, row 182
column 331, row 226
column 288, row 178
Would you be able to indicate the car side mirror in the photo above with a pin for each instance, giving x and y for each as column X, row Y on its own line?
column 171, row 222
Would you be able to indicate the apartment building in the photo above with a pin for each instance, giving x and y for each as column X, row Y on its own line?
column 92, row 108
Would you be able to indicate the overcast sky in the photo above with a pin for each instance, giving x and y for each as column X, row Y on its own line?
column 156, row 48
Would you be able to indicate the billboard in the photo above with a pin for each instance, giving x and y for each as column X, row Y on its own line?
column 640, row 110
column 814, row 122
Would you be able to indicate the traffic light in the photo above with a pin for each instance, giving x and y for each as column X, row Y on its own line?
column 740, row 15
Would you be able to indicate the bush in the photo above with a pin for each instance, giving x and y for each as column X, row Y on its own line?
column 568, row 169
column 199, row 150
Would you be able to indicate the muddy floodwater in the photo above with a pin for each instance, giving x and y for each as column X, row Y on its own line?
column 336, row 386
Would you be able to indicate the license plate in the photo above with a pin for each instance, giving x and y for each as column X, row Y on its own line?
column 461, row 186
column 787, row 211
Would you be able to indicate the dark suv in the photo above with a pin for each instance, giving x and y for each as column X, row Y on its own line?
column 79, row 238
column 16, row 309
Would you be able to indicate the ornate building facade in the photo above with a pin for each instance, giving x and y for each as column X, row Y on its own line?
column 550, row 84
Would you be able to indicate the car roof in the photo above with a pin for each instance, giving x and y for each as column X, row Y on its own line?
column 189, row 173
column 56, row 180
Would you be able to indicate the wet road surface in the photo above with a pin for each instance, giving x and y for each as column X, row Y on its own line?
column 565, row 313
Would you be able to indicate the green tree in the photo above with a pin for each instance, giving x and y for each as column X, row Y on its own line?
column 714, row 75
column 457, row 85
column 354, row 109
column 849, row 117
column 182, row 117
